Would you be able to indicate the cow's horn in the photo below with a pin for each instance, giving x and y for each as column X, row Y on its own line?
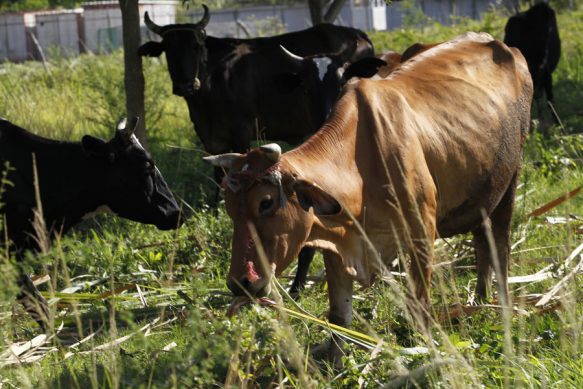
column 291, row 55
column 272, row 151
column 205, row 18
column 151, row 25
column 223, row 160
column 125, row 129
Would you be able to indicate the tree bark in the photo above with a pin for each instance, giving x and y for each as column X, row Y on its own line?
column 334, row 10
column 317, row 13
column 133, row 76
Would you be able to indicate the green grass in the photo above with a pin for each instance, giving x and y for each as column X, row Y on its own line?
column 262, row 346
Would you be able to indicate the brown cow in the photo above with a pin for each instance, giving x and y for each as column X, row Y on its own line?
column 394, row 59
column 433, row 150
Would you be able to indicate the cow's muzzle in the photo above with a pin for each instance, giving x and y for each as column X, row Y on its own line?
column 186, row 89
column 244, row 286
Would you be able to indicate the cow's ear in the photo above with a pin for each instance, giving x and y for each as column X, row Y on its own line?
column 151, row 49
column 312, row 196
column 364, row 68
column 286, row 82
column 96, row 148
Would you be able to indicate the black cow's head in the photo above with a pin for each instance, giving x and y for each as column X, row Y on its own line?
column 317, row 76
column 131, row 186
column 322, row 76
column 186, row 52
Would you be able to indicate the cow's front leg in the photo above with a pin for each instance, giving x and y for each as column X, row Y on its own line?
column 340, row 296
column 304, row 260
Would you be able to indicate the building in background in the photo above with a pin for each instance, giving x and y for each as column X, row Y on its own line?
column 96, row 26
column 102, row 22
column 368, row 15
column 14, row 44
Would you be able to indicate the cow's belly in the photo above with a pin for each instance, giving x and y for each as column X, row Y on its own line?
column 481, row 197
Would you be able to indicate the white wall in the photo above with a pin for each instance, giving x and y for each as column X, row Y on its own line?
column 13, row 39
column 58, row 30
column 102, row 22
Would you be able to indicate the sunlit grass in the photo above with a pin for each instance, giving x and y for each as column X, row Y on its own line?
column 181, row 274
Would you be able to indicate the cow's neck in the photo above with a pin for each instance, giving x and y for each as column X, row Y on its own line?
column 328, row 157
column 69, row 183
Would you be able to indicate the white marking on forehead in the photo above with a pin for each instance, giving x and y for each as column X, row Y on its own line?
column 322, row 65
column 101, row 209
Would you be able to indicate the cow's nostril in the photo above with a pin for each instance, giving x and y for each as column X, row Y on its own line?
column 245, row 283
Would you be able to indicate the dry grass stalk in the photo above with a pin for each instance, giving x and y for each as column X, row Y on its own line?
column 41, row 235
column 554, row 203
column 458, row 310
column 561, row 284
column 375, row 352
column 28, row 351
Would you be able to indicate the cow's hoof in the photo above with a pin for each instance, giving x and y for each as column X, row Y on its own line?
column 294, row 292
column 329, row 351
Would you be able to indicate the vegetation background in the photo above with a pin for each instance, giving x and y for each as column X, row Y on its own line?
column 148, row 309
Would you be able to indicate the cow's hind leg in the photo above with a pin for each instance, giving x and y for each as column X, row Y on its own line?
column 483, row 262
column 304, row 260
column 33, row 302
column 548, row 85
column 498, row 225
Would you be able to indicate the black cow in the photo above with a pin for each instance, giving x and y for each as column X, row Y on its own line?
column 231, row 87
column 324, row 75
column 228, row 83
column 75, row 180
column 535, row 33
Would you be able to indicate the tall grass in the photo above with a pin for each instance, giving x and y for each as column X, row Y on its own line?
column 180, row 276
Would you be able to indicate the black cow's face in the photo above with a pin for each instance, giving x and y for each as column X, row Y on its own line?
column 186, row 53
column 131, row 184
column 320, row 78
column 323, row 76
column 186, row 59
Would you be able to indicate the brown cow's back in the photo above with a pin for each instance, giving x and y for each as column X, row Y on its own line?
column 415, row 119
column 463, row 130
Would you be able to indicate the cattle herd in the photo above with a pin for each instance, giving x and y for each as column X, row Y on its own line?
column 396, row 150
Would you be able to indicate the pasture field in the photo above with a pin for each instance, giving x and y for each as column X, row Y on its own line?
column 147, row 309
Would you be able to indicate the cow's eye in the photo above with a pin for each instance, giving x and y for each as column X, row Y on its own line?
column 265, row 205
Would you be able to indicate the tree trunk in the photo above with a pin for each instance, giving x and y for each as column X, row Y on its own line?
column 133, row 77
column 317, row 11
column 334, row 10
